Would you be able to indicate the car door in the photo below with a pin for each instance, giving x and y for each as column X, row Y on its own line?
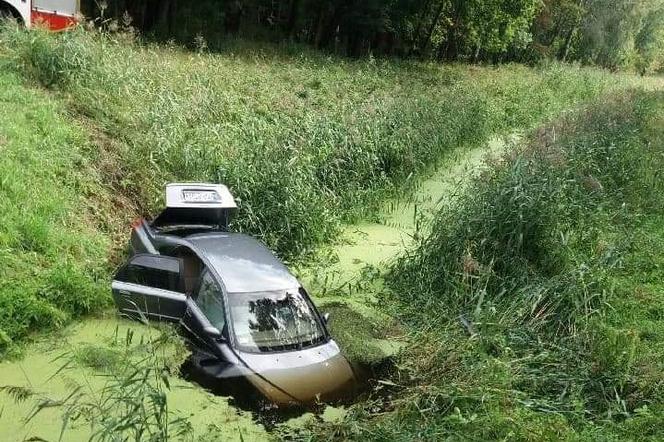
column 205, row 316
column 151, row 287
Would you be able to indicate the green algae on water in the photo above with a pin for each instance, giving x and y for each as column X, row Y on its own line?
column 97, row 345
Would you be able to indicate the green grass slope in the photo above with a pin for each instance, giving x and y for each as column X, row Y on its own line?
column 52, row 253
column 535, row 304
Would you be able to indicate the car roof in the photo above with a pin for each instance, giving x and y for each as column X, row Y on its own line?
column 243, row 263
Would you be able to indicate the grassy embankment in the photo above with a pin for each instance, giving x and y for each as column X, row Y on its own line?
column 305, row 141
column 52, row 249
column 535, row 303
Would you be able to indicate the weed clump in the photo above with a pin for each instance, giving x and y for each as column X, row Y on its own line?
column 530, row 302
column 358, row 336
column 51, row 62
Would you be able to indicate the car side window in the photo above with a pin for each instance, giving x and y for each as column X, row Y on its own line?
column 152, row 271
column 191, row 268
column 209, row 299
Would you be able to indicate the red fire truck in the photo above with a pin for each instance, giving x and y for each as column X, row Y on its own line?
column 56, row 15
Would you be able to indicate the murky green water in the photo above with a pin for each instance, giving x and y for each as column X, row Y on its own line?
column 373, row 244
column 37, row 371
column 213, row 417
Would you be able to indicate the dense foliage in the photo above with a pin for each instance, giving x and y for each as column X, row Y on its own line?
column 616, row 34
column 304, row 141
column 535, row 302
column 610, row 33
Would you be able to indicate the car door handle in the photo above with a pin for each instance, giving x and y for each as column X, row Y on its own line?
column 124, row 292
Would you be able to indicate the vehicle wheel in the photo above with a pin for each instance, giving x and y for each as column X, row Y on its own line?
column 8, row 13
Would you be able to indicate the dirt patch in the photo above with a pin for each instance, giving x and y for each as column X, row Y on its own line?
column 106, row 166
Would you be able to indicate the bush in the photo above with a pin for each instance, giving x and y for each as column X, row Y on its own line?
column 533, row 302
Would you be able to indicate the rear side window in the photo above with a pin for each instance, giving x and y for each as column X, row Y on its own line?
column 209, row 300
column 160, row 272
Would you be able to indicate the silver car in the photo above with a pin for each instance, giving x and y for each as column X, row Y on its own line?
column 248, row 319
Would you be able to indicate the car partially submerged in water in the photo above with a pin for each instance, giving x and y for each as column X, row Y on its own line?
column 247, row 318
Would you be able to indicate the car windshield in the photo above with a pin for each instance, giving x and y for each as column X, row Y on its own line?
column 274, row 321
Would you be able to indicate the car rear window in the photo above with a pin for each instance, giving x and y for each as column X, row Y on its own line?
column 156, row 272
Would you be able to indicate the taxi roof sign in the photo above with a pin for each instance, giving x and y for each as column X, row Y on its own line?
column 199, row 195
column 196, row 205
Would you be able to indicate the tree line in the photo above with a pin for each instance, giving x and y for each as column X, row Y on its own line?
column 611, row 33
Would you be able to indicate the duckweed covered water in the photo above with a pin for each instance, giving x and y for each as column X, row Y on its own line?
column 365, row 247
column 39, row 372
column 336, row 284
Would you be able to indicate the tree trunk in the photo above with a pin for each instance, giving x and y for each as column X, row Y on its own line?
column 330, row 30
column 554, row 35
column 477, row 52
column 420, row 23
column 568, row 43
column 292, row 18
column 161, row 22
column 152, row 14
column 173, row 18
column 320, row 27
column 434, row 22
column 233, row 17
column 573, row 30
column 455, row 34
column 142, row 14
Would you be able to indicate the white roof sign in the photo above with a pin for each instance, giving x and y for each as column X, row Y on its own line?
column 199, row 195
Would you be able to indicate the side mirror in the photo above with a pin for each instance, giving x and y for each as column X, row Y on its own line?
column 212, row 331
column 326, row 317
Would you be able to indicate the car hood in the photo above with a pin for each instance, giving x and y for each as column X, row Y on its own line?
column 303, row 376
